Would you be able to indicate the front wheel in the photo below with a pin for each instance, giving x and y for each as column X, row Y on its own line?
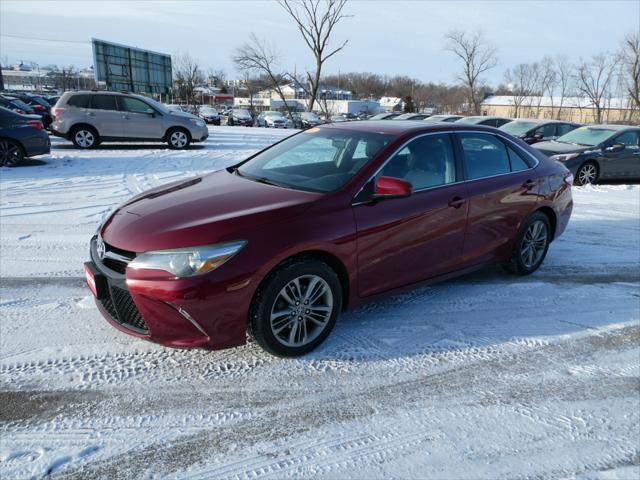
column 178, row 139
column 587, row 174
column 11, row 154
column 531, row 246
column 296, row 308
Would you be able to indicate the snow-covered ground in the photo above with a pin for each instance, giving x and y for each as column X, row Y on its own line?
column 486, row 376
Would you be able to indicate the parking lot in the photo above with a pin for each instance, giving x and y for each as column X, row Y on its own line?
column 482, row 376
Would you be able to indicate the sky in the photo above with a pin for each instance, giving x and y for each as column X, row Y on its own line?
column 384, row 36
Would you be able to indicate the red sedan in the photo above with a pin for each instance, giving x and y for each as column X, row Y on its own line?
column 327, row 219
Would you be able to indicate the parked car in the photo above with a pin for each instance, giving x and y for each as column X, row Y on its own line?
column 239, row 117
column 21, row 136
column 38, row 105
column 89, row 118
column 484, row 120
column 209, row 115
column 328, row 219
column 337, row 119
column 306, row 120
column 597, row 152
column 533, row 131
column 412, row 116
column 443, row 118
column 272, row 119
column 16, row 105
column 385, row 116
column 349, row 117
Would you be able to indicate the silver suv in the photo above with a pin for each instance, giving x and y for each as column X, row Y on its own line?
column 88, row 118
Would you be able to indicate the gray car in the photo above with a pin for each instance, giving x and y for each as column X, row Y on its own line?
column 88, row 118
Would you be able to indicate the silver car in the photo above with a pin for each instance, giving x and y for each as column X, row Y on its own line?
column 272, row 119
column 88, row 118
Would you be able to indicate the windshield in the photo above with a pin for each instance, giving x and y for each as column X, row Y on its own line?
column 20, row 104
column 241, row 113
column 381, row 116
column 310, row 116
column 272, row 114
column 317, row 160
column 208, row 109
column 471, row 120
column 518, row 128
column 586, row 136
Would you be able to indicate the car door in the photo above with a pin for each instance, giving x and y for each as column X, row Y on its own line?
column 140, row 120
column 405, row 240
column 103, row 114
column 624, row 163
column 501, row 191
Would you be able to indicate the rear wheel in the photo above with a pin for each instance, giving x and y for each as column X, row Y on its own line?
column 11, row 154
column 178, row 138
column 85, row 137
column 296, row 308
column 531, row 246
column 587, row 174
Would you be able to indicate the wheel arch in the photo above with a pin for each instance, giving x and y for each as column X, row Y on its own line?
column 176, row 127
column 81, row 125
column 330, row 259
column 552, row 216
column 17, row 142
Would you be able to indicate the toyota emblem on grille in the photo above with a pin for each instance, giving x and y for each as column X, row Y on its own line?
column 100, row 248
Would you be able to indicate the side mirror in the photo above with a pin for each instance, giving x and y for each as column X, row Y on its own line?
column 538, row 136
column 392, row 187
column 617, row 147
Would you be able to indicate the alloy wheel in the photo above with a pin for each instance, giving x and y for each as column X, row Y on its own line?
column 534, row 244
column 178, row 139
column 10, row 154
column 301, row 311
column 85, row 138
column 587, row 174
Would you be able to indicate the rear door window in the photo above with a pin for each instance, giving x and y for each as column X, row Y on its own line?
column 79, row 101
column 484, row 155
column 103, row 102
column 565, row 128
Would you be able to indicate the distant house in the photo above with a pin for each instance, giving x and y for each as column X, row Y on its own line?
column 574, row 109
column 390, row 104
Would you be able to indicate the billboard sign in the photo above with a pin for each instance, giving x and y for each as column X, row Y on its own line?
column 120, row 67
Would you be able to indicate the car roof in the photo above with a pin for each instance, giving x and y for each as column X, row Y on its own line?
column 540, row 121
column 615, row 127
column 400, row 127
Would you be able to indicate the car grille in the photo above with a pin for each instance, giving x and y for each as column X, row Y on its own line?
column 117, row 259
column 122, row 309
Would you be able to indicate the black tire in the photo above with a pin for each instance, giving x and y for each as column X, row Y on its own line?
column 85, row 137
column 11, row 153
column 520, row 263
column 269, row 293
column 178, row 138
column 587, row 174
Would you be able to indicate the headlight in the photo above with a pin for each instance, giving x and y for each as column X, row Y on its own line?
column 187, row 262
column 197, row 123
column 564, row 157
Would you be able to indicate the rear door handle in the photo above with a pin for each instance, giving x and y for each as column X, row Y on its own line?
column 456, row 202
column 529, row 184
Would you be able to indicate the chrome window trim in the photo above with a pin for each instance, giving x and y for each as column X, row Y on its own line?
column 466, row 180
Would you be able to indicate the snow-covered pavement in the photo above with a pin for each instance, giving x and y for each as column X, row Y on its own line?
column 486, row 376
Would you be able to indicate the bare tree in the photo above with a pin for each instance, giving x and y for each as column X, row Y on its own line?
column 565, row 76
column 477, row 57
column 257, row 58
column 631, row 60
column 521, row 80
column 187, row 76
column 593, row 79
column 316, row 21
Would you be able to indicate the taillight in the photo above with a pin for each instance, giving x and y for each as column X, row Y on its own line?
column 56, row 111
column 20, row 111
column 568, row 179
column 35, row 124
column 39, row 108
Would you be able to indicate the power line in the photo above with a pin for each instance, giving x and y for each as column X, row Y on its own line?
column 23, row 37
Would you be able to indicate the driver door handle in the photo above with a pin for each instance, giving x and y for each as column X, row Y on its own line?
column 456, row 202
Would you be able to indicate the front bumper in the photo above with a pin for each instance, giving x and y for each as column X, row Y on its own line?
column 182, row 313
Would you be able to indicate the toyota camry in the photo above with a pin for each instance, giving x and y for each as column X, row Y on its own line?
column 279, row 245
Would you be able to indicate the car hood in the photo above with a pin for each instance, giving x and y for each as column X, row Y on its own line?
column 201, row 211
column 555, row 148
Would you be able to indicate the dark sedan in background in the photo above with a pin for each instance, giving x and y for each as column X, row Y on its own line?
column 443, row 118
column 484, row 120
column 597, row 152
column 21, row 136
column 209, row 115
column 534, row 131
